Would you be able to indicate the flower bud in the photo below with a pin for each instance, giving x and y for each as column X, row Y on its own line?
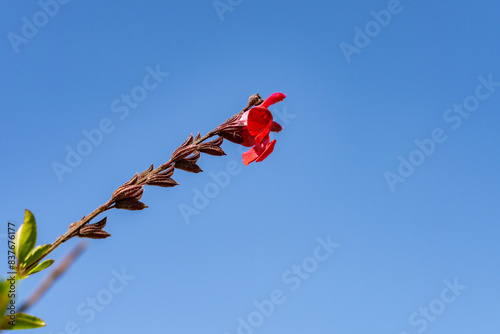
column 130, row 204
column 128, row 191
column 161, row 180
column 188, row 166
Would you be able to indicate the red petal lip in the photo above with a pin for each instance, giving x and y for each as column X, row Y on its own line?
column 249, row 156
column 268, row 150
column 274, row 98
column 259, row 152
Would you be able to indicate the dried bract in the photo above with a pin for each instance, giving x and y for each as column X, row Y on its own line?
column 254, row 100
column 130, row 204
column 100, row 234
column 128, row 191
column 145, row 174
column 212, row 150
column 169, row 171
column 94, row 231
column 188, row 166
column 212, row 147
column 161, row 180
column 184, row 150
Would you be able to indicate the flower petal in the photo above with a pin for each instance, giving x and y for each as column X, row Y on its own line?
column 267, row 150
column 274, row 98
column 259, row 152
column 248, row 139
column 259, row 123
column 243, row 118
column 250, row 156
column 275, row 127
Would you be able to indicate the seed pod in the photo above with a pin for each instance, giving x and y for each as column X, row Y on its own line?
column 99, row 225
column 194, row 157
column 94, row 231
column 211, row 150
column 144, row 174
column 161, row 181
column 230, row 126
column 188, row 141
column 98, row 234
column 169, row 171
column 133, row 180
column 188, row 166
column 128, row 191
column 130, row 204
column 215, row 142
column 183, row 152
column 254, row 100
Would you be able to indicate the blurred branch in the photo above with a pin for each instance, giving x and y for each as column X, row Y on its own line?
column 53, row 276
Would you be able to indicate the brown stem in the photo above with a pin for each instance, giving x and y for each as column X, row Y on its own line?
column 54, row 275
column 196, row 142
column 71, row 232
column 73, row 229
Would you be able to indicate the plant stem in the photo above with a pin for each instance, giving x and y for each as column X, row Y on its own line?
column 69, row 234
column 72, row 231
column 196, row 142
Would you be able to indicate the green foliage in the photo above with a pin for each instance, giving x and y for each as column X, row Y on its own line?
column 27, row 255
column 25, row 237
column 45, row 264
column 4, row 295
column 12, row 320
column 22, row 321
column 36, row 253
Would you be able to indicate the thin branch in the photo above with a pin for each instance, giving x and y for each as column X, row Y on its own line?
column 53, row 276
column 71, row 232
column 75, row 227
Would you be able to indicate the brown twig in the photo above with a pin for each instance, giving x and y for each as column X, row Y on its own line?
column 71, row 231
column 53, row 276
column 127, row 195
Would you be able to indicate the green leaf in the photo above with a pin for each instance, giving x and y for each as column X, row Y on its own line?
column 25, row 238
column 4, row 296
column 45, row 264
column 36, row 253
column 23, row 321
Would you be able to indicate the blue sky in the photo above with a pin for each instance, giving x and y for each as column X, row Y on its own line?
column 377, row 212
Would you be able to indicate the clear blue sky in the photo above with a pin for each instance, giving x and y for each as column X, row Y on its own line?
column 377, row 212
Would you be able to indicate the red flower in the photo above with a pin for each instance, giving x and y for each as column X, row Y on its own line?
column 259, row 152
column 252, row 128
